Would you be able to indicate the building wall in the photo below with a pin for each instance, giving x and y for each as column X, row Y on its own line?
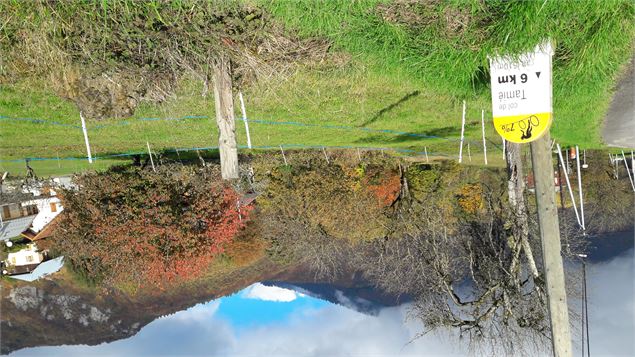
column 17, row 210
column 48, row 209
column 26, row 256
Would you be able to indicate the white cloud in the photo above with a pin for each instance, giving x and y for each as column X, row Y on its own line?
column 269, row 293
column 611, row 291
column 200, row 312
column 195, row 331
column 337, row 331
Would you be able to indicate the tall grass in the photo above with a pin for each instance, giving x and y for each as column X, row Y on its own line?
column 594, row 39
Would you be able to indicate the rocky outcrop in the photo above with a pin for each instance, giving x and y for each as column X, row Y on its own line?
column 50, row 312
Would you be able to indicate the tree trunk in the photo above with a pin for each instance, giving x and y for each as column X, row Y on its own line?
column 515, row 191
column 223, row 99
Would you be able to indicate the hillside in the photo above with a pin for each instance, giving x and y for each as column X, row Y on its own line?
column 363, row 74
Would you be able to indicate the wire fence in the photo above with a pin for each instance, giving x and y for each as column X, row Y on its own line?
column 257, row 121
column 267, row 147
column 40, row 121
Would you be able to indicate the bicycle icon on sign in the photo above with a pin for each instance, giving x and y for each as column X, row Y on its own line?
column 525, row 125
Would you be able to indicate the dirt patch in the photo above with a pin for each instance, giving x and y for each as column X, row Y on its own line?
column 111, row 94
column 447, row 21
column 457, row 20
column 410, row 13
column 279, row 55
column 123, row 56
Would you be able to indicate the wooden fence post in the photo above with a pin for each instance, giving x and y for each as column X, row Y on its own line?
column 483, row 130
column 462, row 134
column 242, row 108
column 224, row 103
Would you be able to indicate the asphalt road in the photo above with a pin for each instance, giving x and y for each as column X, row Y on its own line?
column 619, row 124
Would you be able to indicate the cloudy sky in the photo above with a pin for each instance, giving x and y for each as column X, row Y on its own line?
column 271, row 321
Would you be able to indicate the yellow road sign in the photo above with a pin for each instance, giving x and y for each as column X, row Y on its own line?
column 521, row 94
column 523, row 128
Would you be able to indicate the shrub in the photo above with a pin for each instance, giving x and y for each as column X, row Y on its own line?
column 327, row 196
column 128, row 226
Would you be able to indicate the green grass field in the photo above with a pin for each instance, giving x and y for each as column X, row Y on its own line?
column 402, row 77
column 359, row 98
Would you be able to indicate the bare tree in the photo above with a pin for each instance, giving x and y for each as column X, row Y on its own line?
column 467, row 277
column 519, row 212
column 294, row 239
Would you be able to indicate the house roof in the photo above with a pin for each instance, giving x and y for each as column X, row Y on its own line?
column 46, row 232
column 14, row 227
column 42, row 270
column 9, row 197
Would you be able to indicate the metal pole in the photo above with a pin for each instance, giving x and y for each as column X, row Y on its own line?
column 327, row 157
column 616, row 167
column 483, row 130
column 242, row 108
column 90, row 158
column 582, row 319
column 586, row 311
column 566, row 177
column 577, row 163
column 150, row 153
column 425, row 150
column 560, row 184
column 551, row 246
column 612, row 160
column 630, row 179
column 462, row 134
column 283, row 157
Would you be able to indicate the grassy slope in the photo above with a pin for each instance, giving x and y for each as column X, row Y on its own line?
column 388, row 62
column 594, row 39
column 348, row 97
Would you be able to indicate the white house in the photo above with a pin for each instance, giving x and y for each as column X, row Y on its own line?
column 48, row 208
column 26, row 256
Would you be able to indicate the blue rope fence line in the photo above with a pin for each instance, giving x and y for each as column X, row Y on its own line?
column 257, row 121
column 277, row 147
column 39, row 121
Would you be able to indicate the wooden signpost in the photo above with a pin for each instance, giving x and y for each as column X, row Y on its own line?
column 522, row 111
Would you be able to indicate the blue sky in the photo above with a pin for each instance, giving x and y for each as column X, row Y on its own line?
column 261, row 305
column 269, row 321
